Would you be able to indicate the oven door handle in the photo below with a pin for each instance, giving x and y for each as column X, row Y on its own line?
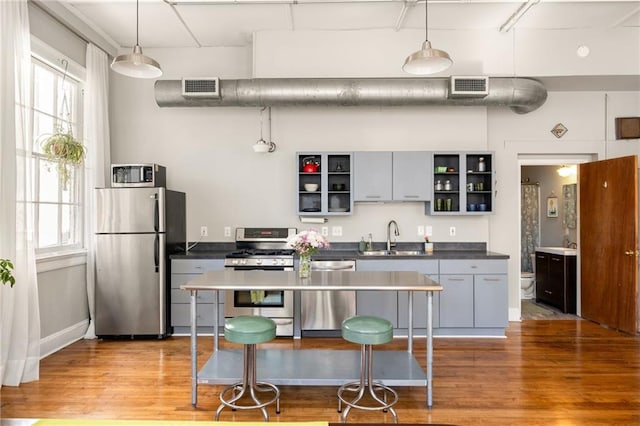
column 335, row 268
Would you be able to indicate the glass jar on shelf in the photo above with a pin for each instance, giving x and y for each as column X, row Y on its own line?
column 482, row 166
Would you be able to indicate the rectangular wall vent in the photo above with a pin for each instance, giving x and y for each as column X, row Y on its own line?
column 469, row 87
column 201, row 87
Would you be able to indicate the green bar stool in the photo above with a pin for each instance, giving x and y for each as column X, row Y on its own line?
column 367, row 331
column 249, row 330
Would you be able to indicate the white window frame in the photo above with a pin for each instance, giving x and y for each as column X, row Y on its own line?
column 47, row 57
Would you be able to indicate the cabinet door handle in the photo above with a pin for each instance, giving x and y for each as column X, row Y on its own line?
column 548, row 292
column 555, row 259
column 456, row 279
column 494, row 280
column 372, row 196
column 411, row 196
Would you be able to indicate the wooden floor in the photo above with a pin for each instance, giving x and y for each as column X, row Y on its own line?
column 544, row 373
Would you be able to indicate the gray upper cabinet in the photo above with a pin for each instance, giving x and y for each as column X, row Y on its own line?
column 373, row 174
column 412, row 176
column 463, row 183
column 325, row 183
column 392, row 176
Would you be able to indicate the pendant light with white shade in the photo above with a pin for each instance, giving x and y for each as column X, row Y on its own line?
column 136, row 64
column 427, row 60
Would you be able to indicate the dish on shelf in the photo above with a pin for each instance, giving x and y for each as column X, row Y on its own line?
column 340, row 209
column 440, row 169
column 311, row 187
column 311, row 210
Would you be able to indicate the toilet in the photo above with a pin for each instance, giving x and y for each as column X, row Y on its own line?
column 528, row 281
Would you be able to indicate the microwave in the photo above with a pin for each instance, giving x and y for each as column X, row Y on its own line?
column 138, row 175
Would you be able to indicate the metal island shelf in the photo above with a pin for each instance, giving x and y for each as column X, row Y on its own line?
column 313, row 367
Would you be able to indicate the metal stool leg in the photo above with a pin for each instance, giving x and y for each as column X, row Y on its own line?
column 365, row 383
column 249, row 383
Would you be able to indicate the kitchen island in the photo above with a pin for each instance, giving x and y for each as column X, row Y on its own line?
column 313, row 366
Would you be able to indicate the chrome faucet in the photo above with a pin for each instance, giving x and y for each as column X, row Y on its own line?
column 396, row 233
column 572, row 245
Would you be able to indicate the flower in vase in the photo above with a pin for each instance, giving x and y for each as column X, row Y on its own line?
column 307, row 242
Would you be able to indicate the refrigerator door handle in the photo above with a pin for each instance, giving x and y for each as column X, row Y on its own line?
column 156, row 213
column 156, row 252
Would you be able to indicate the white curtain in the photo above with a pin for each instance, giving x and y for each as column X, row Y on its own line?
column 96, row 133
column 20, row 315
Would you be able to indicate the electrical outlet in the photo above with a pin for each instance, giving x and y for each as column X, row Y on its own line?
column 452, row 231
column 227, row 231
column 325, row 231
column 420, row 230
column 204, row 231
column 428, row 231
column 336, row 231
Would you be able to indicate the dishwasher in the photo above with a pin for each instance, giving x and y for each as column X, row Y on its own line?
column 322, row 312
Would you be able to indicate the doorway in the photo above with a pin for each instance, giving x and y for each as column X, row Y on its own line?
column 548, row 218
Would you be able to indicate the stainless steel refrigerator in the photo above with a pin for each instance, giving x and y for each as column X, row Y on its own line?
column 137, row 230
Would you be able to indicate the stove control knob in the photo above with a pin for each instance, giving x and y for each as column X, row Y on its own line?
column 234, row 261
column 259, row 261
column 243, row 261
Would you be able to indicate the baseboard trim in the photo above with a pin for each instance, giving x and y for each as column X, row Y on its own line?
column 57, row 341
column 515, row 314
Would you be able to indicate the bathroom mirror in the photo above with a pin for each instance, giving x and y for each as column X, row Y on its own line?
column 569, row 205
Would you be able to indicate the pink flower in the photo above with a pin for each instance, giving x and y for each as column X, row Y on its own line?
column 307, row 242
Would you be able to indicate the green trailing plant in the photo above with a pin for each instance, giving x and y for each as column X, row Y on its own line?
column 6, row 274
column 63, row 148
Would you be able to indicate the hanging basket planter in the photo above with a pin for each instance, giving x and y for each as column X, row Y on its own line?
column 66, row 150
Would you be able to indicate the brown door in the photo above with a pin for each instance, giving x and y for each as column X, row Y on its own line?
column 609, row 242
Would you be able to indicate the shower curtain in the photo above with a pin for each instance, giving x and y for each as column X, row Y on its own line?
column 529, row 224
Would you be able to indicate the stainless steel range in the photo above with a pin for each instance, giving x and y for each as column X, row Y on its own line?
column 262, row 249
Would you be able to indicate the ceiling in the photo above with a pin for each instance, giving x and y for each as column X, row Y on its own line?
column 205, row 23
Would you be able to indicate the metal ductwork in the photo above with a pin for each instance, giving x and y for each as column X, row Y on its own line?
column 522, row 95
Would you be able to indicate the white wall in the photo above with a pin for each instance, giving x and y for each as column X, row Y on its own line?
column 208, row 153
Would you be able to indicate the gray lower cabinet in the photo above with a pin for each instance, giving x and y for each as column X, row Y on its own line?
column 182, row 271
column 474, row 299
column 489, row 292
column 456, row 301
column 393, row 305
column 383, row 304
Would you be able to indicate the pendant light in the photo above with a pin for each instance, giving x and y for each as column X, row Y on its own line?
column 262, row 146
column 427, row 60
column 136, row 64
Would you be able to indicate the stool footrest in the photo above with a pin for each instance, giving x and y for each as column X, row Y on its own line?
column 376, row 387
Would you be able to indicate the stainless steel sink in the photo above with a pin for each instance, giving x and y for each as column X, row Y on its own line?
column 391, row 253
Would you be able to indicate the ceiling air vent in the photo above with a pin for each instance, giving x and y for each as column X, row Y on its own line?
column 201, row 87
column 469, row 87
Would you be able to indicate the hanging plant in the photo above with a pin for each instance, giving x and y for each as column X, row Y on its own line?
column 62, row 147
column 6, row 276
column 66, row 150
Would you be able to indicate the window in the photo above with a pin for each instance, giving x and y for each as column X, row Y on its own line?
column 57, row 202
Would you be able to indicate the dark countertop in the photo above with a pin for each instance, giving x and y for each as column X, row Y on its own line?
column 343, row 251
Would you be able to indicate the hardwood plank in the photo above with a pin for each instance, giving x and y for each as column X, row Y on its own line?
column 544, row 372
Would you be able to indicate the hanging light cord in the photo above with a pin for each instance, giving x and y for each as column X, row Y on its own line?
column 426, row 20
column 137, row 21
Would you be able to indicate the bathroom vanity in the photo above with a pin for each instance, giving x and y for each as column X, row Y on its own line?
column 556, row 278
